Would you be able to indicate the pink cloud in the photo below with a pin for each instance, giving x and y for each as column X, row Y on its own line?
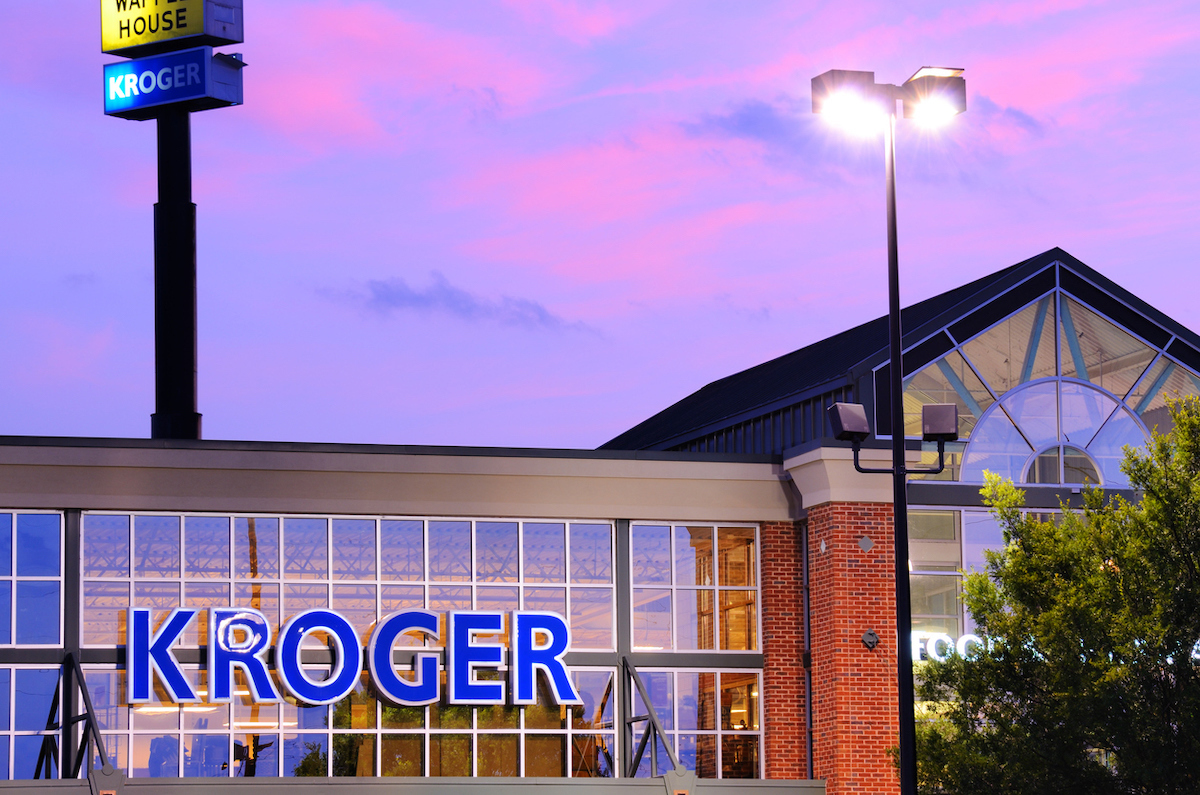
column 578, row 22
column 55, row 352
column 642, row 208
column 357, row 74
column 1070, row 74
column 634, row 176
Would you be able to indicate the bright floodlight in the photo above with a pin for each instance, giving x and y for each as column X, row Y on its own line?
column 933, row 112
column 934, row 95
column 851, row 112
column 848, row 100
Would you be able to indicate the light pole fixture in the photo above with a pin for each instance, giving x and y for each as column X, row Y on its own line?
column 855, row 102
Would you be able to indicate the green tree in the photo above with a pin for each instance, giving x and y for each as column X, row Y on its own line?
column 1090, row 681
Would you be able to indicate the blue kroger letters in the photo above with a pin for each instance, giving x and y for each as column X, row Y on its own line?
column 345, row 670
column 464, row 655
column 529, row 656
column 425, row 690
column 238, row 638
column 148, row 654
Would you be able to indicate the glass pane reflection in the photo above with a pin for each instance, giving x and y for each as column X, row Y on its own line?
column 1078, row 468
column 256, row 755
column 1084, row 410
column 206, row 546
column 354, row 755
column 305, row 549
column 450, row 755
column 5, row 612
column 496, row 552
column 592, row 618
column 402, row 755
column 935, row 600
column 1093, row 349
column 592, row 756
column 739, row 621
column 105, row 546
column 27, row 750
column 694, row 619
column 156, row 546
column 981, row 532
column 739, row 701
column 1166, row 379
column 552, row 600
column 1108, row 447
column 497, row 756
column 450, row 551
column 1018, row 349
column 545, row 756
column 402, row 549
column 651, row 553
column 948, row 380
column 545, row 552
column 739, row 756
column 660, row 687
column 651, row 618
column 256, row 547
column 353, row 549
column 698, row 753
column 1044, row 468
column 202, row 595
column 997, row 447
column 693, row 556
column 596, row 690
column 206, row 755
column 737, row 556
column 591, row 553
column 1035, row 411
column 697, row 699
column 305, row 755
column 38, row 540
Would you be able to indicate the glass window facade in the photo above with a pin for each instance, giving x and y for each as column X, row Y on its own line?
column 1049, row 395
column 366, row 568
column 31, row 567
column 695, row 587
column 944, row 543
column 713, row 721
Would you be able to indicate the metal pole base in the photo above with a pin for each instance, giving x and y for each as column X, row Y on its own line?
column 175, row 426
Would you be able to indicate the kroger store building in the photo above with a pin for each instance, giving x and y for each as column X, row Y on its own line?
column 722, row 561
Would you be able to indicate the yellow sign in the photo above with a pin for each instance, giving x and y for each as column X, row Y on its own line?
column 144, row 27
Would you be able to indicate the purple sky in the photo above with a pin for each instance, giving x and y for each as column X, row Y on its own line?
column 538, row 223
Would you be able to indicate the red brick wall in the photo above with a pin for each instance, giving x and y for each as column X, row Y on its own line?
column 785, row 732
column 854, row 689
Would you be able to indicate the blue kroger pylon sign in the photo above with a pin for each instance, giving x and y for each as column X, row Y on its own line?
column 195, row 79
column 239, row 638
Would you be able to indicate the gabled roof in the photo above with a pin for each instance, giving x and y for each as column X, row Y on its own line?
column 840, row 360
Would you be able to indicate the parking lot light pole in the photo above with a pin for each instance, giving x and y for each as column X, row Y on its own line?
column 854, row 101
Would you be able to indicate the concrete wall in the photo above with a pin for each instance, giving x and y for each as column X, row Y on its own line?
column 209, row 477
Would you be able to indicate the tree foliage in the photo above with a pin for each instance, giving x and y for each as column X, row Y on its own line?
column 1090, row 680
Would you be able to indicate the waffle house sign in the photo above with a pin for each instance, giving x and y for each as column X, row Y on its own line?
column 133, row 28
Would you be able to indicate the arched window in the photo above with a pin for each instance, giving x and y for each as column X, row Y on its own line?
column 1050, row 394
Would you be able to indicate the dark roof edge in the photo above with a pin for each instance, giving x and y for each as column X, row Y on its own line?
column 377, row 449
column 1164, row 321
column 997, row 285
column 762, row 409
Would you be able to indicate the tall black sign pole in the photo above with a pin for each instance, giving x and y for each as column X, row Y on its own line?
column 175, row 415
column 172, row 72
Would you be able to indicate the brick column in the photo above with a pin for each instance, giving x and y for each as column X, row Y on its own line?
column 854, row 688
column 785, row 732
